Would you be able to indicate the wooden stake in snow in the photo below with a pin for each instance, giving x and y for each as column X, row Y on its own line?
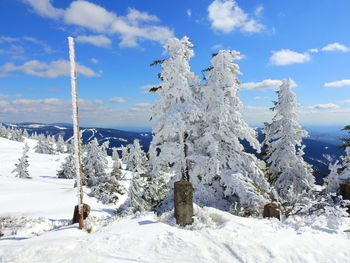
column 183, row 193
column 73, row 76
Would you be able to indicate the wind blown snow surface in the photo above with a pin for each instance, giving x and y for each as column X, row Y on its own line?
column 35, row 218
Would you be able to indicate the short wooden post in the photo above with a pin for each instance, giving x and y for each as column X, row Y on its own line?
column 76, row 215
column 345, row 193
column 183, row 202
column 271, row 210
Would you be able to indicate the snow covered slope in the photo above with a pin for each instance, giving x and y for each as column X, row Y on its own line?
column 35, row 214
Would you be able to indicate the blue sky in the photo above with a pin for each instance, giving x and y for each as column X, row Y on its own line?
column 308, row 41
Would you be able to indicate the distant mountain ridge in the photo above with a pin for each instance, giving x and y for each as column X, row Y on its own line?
column 115, row 137
column 318, row 152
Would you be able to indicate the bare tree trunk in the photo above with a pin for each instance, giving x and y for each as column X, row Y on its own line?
column 78, row 166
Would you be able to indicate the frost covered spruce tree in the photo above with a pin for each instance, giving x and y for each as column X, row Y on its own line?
column 16, row 135
column 21, row 169
column 339, row 173
column 225, row 173
column 147, row 192
column 175, row 112
column 44, row 146
column 60, row 144
column 137, row 193
column 137, row 159
column 283, row 138
column 67, row 170
column 94, row 163
column 108, row 188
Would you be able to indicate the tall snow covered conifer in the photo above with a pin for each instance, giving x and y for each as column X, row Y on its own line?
column 94, row 163
column 137, row 159
column 283, row 138
column 175, row 111
column 21, row 169
column 225, row 172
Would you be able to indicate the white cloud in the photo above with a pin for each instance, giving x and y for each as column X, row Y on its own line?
column 339, row 83
column 117, row 100
column 4, row 96
column 44, row 8
column 134, row 27
column 50, row 110
column 259, row 10
column 226, row 16
column 326, row 106
column 141, row 107
column 53, row 69
column 344, row 101
column 189, row 12
column 286, row 56
column 97, row 40
column 314, row 50
column 262, row 85
column 336, row 47
column 18, row 47
column 94, row 60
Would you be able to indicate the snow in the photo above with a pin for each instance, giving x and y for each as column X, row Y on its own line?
column 38, row 211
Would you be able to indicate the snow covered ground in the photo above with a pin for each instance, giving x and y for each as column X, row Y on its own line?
column 35, row 215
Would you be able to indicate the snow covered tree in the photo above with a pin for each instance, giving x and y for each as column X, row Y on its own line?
column 21, row 169
column 108, row 188
column 136, row 193
column 3, row 131
column 125, row 153
column 60, row 144
column 16, row 135
column 175, row 111
column 339, row 173
column 44, row 146
column 67, row 170
column 94, row 163
column 224, row 173
column 137, row 159
column 155, row 188
column 115, row 157
column 25, row 133
column 283, row 138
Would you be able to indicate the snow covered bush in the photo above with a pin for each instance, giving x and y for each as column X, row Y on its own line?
column 115, row 157
column 146, row 192
column 21, row 169
column 339, row 173
column 289, row 174
column 16, row 135
column 67, row 170
column 44, row 145
column 108, row 189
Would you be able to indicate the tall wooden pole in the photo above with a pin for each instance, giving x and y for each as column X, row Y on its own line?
column 78, row 167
